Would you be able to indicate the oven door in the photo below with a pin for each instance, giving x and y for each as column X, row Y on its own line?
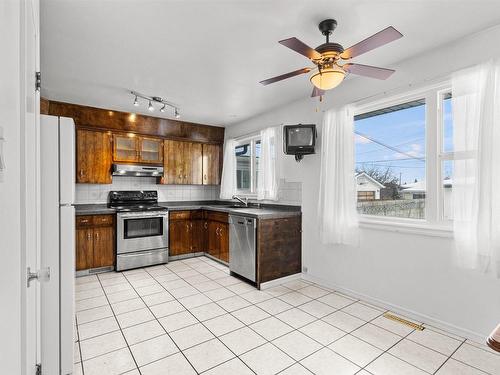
column 137, row 231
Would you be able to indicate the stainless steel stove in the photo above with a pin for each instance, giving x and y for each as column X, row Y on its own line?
column 141, row 229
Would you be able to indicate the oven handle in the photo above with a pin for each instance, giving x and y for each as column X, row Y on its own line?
column 137, row 255
column 142, row 215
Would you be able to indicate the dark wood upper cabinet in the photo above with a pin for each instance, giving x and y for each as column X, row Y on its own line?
column 130, row 148
column 93, row 157
column 211, row 164
column 150, row 150
column 182, row 163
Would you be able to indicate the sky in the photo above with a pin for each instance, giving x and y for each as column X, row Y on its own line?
column 403, row 134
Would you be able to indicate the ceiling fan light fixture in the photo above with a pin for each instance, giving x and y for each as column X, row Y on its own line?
column 327, row 78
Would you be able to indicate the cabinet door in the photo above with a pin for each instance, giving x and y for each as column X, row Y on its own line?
column 224, row 242
column 193, row 163
column 84, row 248
column 173, row 165
column 93, row 157
column 213, row 238
column 211, row 164
column 104, row 249
column 101, row 158
column 180, row 237
column 84, row 156
column 199, row 235
column 151, row 150
column 125, row 148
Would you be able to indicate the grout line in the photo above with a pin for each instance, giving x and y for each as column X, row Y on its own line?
column 121, row 331
column 187, row 267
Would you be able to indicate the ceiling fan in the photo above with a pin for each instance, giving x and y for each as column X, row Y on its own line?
column 328, row 72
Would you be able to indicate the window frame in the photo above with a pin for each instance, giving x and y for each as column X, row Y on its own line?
column 252, row 140
column 434, row 223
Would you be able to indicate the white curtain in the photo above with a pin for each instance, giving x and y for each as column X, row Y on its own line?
column 267, row 183
column 476, row 174
column 337, row 200
column 228, row 180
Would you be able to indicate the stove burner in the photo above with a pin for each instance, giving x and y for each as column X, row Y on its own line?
column 133, row 201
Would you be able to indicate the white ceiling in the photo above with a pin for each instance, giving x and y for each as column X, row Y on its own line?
column 208, row 56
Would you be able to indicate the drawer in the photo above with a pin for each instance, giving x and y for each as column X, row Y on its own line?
column 103, row 220
column 218, row 216
column 84, row 221
column 180, row 215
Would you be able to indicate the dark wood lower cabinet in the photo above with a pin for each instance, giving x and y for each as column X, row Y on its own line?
column 95, row 241
column 279, row 248
column 199, row 231
column 84, row 248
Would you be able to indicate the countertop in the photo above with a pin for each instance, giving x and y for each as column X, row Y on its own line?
column 267, row 211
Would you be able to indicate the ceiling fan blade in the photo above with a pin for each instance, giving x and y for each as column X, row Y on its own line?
column 317, row 92
column 368, row 71
column 300, row 47
column 285, row 76
column 376, row 40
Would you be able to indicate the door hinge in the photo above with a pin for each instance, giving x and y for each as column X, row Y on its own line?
column 38, row 81
column 40, row 275
column 38, row 369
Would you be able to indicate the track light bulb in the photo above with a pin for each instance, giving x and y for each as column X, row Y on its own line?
column 176, row 113
column 162, row 109
column 150, row 106
column 136, row 103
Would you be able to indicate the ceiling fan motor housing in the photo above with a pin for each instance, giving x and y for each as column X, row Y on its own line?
column 330, row 47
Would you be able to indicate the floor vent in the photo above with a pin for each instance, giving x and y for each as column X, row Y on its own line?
column 416, row 326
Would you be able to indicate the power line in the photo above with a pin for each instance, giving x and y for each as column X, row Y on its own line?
column 393, row 166
column 385, row 160
column 398, row 145
column 389, row 146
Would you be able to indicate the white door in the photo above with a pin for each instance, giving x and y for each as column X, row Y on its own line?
column 30, row 170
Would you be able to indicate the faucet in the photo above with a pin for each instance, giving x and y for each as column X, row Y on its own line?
column 244, row 201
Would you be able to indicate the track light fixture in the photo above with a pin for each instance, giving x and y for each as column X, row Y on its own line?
column 155, row 99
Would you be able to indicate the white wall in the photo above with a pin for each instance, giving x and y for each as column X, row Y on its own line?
column 414, row 273
column 10, row 216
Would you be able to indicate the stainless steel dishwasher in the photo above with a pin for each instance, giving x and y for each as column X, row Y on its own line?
column 242, row 251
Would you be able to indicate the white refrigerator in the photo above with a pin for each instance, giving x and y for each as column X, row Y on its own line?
column 57, row 222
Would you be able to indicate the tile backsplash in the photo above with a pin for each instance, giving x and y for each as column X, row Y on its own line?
column 95, row 193
column 289, row 192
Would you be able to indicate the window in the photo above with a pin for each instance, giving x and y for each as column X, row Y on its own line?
column 405, row 155
column 446, row 155
column 247, row 165
column 390, row 160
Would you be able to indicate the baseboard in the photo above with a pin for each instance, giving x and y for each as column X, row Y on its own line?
column 459, row 331
column 281, row 280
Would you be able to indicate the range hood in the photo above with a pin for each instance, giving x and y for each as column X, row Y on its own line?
column 137, row 170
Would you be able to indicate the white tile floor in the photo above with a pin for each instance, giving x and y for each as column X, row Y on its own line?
column 191, row 317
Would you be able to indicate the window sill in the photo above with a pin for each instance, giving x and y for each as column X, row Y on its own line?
column 409, row 226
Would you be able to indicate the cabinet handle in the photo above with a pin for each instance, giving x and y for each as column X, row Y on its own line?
column 97, row 235
column 81, row 172
column 204, row 176
column 205, row 225
column 187, row 227
column 84, row 220
column 191, row 225
column 89, row 236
